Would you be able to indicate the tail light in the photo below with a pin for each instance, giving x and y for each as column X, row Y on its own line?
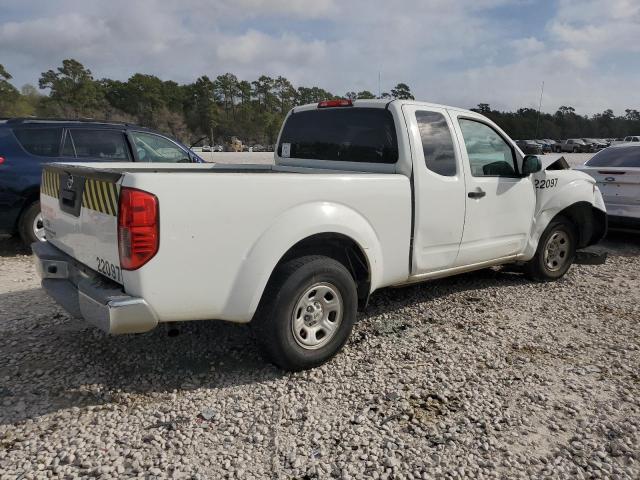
column 1, row 160
column 341, row 102
column 138, row 228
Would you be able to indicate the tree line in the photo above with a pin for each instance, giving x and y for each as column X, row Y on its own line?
column 225, row 106
column 217, row 108
column 526, row 123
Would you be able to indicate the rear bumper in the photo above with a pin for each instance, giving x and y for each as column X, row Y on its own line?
column 86, row 294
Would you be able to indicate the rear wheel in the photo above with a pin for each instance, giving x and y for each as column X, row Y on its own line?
column 575, row 150
column 307, row 312
column 30, row 225
column 555, row 253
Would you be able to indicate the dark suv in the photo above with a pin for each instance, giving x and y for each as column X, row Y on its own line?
column 27, row 144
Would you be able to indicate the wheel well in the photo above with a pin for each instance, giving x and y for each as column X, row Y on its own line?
column 589, row 222
column 342, row 249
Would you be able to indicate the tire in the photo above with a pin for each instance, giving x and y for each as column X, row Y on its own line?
column 304, row 298
column 575, row 150
column 30, row 226
column 555, row 253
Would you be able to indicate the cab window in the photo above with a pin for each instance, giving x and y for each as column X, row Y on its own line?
column 489, row 154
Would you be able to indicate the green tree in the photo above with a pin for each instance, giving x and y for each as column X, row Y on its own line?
column 402, row 91
column 226, row 87
column 365, row 95
column 8, row 94
column 262, row 91
column 73, row 88
column 285, row 93
column 244, row 89
column 312, row 95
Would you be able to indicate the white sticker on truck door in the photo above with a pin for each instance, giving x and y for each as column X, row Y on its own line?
column 286, row 150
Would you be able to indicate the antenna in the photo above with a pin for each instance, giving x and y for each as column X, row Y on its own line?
column 539, row 108
column 379, row 91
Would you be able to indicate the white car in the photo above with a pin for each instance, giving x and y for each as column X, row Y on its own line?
column 625, row 140
column 617, row 173
column 363, row 195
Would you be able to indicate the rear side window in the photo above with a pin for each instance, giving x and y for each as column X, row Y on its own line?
column 40, row 141
column 102, row 144
column 616, row 157
column 340, row 134
column 437, row 143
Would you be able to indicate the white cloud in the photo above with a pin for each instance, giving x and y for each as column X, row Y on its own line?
column 255, row 47
column 525, row 46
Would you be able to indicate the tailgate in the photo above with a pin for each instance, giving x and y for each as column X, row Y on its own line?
column 80, row 215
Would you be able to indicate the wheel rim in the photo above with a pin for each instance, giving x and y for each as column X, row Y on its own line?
column 556, row 250
column 38, row 227
column 317, row 316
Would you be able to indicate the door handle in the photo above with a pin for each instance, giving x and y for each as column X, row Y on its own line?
column 479, row 193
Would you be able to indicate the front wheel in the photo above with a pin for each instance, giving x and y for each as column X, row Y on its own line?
column 555, row 253
column 306, row 313
column 30, row 226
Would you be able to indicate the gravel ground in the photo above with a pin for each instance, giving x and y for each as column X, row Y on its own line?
column 484, row 375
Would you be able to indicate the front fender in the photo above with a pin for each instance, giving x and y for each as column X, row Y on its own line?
column 289, row 228
column 572, row 188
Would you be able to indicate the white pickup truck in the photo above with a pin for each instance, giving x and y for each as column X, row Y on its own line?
column 363, row 195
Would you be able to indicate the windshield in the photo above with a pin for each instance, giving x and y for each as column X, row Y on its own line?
column 616, row 157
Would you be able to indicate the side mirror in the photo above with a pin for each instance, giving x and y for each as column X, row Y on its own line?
column 531, row 164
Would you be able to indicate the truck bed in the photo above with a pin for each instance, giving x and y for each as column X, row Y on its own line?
column 221, row 235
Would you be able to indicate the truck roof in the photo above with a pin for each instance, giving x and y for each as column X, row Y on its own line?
column 382, row 103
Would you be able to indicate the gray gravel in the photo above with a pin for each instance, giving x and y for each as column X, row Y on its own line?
column 484, row 375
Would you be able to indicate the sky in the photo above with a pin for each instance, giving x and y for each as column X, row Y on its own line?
column 455, row 52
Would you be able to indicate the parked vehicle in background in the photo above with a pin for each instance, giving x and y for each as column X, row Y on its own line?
column 258, row 148
column 573, row 145
column 28, row 144
column 617, row 172
column 378, row 193
column 529, row 147
column 545, row 144
column 206, row 148
column 632, row 138
column 595, row 144
column 218, row 148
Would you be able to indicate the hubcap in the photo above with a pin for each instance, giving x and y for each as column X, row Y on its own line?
column 317, row 316
column 38, row 227
column 556, row 251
